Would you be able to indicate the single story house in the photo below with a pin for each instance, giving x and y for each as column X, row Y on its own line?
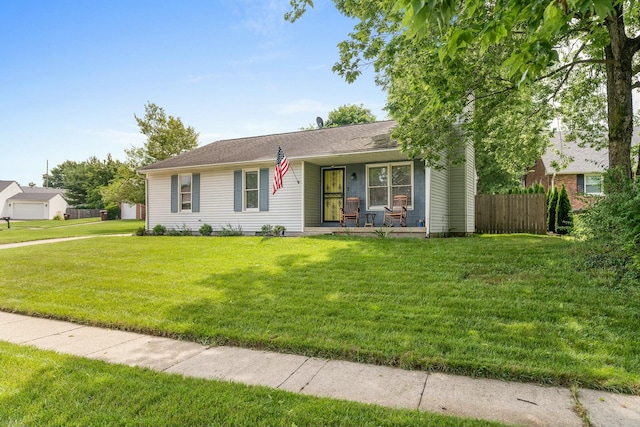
column 19, row 202
column 580, row 169
column 229, row 182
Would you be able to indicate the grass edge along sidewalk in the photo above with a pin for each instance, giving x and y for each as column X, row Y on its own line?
column 45, row 388
column 24, row 231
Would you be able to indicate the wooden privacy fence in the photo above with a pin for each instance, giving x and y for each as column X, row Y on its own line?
column 511, row 213
column 83, row 213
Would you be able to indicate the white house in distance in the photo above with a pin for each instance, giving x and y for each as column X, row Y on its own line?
column 229, row 182
column 18, row 202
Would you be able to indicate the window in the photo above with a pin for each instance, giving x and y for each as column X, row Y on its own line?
column 185, row 192
column 251, row 190
column 386, row 181
column 593, row 184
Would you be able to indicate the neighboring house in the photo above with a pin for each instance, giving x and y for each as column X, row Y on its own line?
column 129, row 211
column 580, row 169
column 7, row 189
column 230, row 183
column 19, row 202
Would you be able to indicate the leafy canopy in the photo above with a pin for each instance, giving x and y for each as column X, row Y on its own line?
column 166, row 137
column 522, row 62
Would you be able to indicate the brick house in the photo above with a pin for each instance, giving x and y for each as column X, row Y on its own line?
column 580, row 169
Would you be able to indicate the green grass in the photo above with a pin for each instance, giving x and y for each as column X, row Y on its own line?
column 23, row 231
column 510, row 307
column 43, row 388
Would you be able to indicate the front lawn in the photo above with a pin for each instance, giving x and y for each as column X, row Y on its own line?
column 512, row 307
column 23, row 231
column 41, row 388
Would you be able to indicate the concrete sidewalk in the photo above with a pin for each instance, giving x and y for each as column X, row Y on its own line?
column 61, row 239
column 512, row 403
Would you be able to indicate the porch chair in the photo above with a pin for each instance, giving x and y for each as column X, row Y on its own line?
column 350, row 210
column 397, row 212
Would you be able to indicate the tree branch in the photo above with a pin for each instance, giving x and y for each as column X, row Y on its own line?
column 634, row 45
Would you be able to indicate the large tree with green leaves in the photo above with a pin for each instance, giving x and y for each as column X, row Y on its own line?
column 545, row 57
column 166, row 136
column 349, row 114
column 83, row 181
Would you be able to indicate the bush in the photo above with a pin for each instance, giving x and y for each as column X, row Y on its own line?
column 229, row 230
column 266, row 230
column 141, row 231
column 279, row 230
column 113, row 212
column 612, row 229
column 551, row 209
column 159, row 230
column 57, row 217
column 205, row 230
column 564, row 213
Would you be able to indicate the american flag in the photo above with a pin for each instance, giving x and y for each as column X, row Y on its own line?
column 282, row 166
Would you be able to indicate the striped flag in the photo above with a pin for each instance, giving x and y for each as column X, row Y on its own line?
column 282, row 166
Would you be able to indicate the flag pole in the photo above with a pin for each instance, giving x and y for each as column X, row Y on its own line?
column 292, row 170
column 294, row 174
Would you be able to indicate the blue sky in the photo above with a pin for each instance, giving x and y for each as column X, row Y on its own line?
column 74, row 72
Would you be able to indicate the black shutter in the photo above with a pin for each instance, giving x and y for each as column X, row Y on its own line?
column 580, row 183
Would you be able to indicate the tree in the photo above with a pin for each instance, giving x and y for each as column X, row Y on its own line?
column 83, row 181
column 434, row 98
column 552, row 205
column 350, row 115
column 564, row 215
column 166, row 137
column 561, row 51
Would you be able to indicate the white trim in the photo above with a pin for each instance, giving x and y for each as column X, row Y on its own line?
column 388, row 165
column 427, row 200
column 302, row 198
column 180, row 193
column 244, row 190
column 592, row 175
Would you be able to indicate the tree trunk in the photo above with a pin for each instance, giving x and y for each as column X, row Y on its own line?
column 619, row 55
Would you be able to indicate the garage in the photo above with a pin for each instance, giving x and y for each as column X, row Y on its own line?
column 29, row 210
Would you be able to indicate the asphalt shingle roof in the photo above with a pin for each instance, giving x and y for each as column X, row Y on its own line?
column 303, row 144
column 34, row 196
column 570, row 158
column 5, row 184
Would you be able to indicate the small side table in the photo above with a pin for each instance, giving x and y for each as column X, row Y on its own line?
column 370, row 220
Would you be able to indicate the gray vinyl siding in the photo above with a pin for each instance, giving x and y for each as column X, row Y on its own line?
column 217, row 202
column 312, row 195
column 457, row 199
column 471, row 189
column 439, row 205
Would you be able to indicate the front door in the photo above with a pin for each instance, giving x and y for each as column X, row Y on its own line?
column 332, row 194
